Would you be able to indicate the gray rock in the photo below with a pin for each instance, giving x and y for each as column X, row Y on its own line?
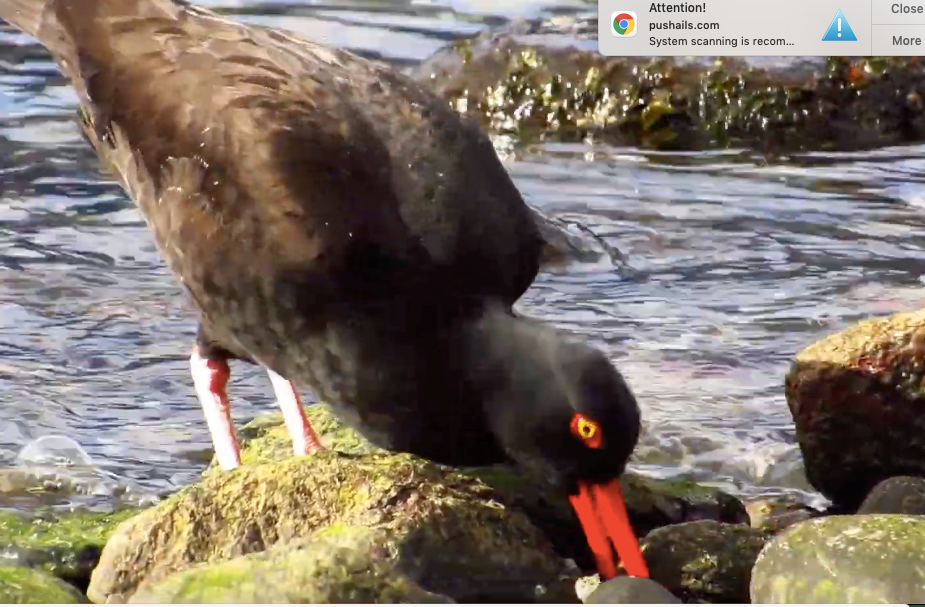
column 627, row 590
column 897, row 495
column 877, row 558
column 856, row 400
column 704, row 561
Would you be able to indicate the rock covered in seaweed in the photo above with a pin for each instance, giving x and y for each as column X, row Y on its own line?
column 265, row 439
column 436, row 525
column 651, row 503
column 66, row 545
column 844, row 559
column 517, row 82
column 704, row 561
column 857, row 399
column 337, row 565
column 31, row 586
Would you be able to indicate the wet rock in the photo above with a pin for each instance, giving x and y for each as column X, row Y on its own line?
column 18, row 483
column 345, row 565
column 651, row 503
column 654, row 503
column 624, row 590
column 43, row 479
column 897, row 495
column 856, row 399
column 704, row 561
column 844, row 559
column 67, row 545
column 777, row 513
column 421, row 509
column 516, row 83
column 30, row 586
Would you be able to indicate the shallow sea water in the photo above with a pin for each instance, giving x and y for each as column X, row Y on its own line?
column 735, row 264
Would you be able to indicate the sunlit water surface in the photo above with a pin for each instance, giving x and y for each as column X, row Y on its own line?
column 735, row 265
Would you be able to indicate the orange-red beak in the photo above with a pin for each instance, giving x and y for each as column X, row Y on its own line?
column 602, row 513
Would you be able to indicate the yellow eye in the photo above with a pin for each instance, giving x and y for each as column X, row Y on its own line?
column 586, row 430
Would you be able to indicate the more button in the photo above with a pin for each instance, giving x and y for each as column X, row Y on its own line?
column 899, row 40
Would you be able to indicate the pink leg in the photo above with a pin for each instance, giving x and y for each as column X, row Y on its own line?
column 304, row 439
column 210, row 378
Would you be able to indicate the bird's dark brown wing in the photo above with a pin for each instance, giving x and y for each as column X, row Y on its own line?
column 275, row 170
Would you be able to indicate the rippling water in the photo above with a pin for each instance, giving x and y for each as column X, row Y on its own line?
column 736, row 264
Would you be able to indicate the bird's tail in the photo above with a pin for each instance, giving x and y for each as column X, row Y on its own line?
column 24, row 15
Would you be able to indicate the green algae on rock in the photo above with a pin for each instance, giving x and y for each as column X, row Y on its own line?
column 536, row 91
column 651, row 503
column 265, row 438
column 349, row 565
column 857, row 399
column 66, row 545
column 878, row 558
column 704, row 561
column 21, row 585
column 445, row 527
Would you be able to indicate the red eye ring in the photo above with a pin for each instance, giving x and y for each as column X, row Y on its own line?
column 587, row 431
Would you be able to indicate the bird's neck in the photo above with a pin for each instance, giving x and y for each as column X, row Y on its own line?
column 510, row 364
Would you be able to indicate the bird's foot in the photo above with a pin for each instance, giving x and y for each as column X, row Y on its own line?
column 304, row 439
column 210, row 377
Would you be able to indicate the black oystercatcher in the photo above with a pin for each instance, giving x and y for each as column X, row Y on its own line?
column 338, row 224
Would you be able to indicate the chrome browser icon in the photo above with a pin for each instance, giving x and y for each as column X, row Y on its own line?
column 623, row 24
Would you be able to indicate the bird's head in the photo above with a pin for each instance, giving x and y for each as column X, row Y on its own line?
column 562, row 411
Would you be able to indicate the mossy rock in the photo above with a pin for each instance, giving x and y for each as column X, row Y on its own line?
column 660, row 502
column 704, row 561
column 897, row 495
column 444, row 529
column 863, row 387
column 534, row 92
column 21, row 585
column 877, row 558
column 265, row 438
column 651, row 503
column 67, row 545
column 345, row 565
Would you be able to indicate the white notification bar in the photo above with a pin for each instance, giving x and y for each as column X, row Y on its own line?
column 634, row 28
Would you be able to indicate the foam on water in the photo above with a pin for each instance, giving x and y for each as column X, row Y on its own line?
column 58, row 451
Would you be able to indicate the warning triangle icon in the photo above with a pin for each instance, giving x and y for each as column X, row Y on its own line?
column 839, row 30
